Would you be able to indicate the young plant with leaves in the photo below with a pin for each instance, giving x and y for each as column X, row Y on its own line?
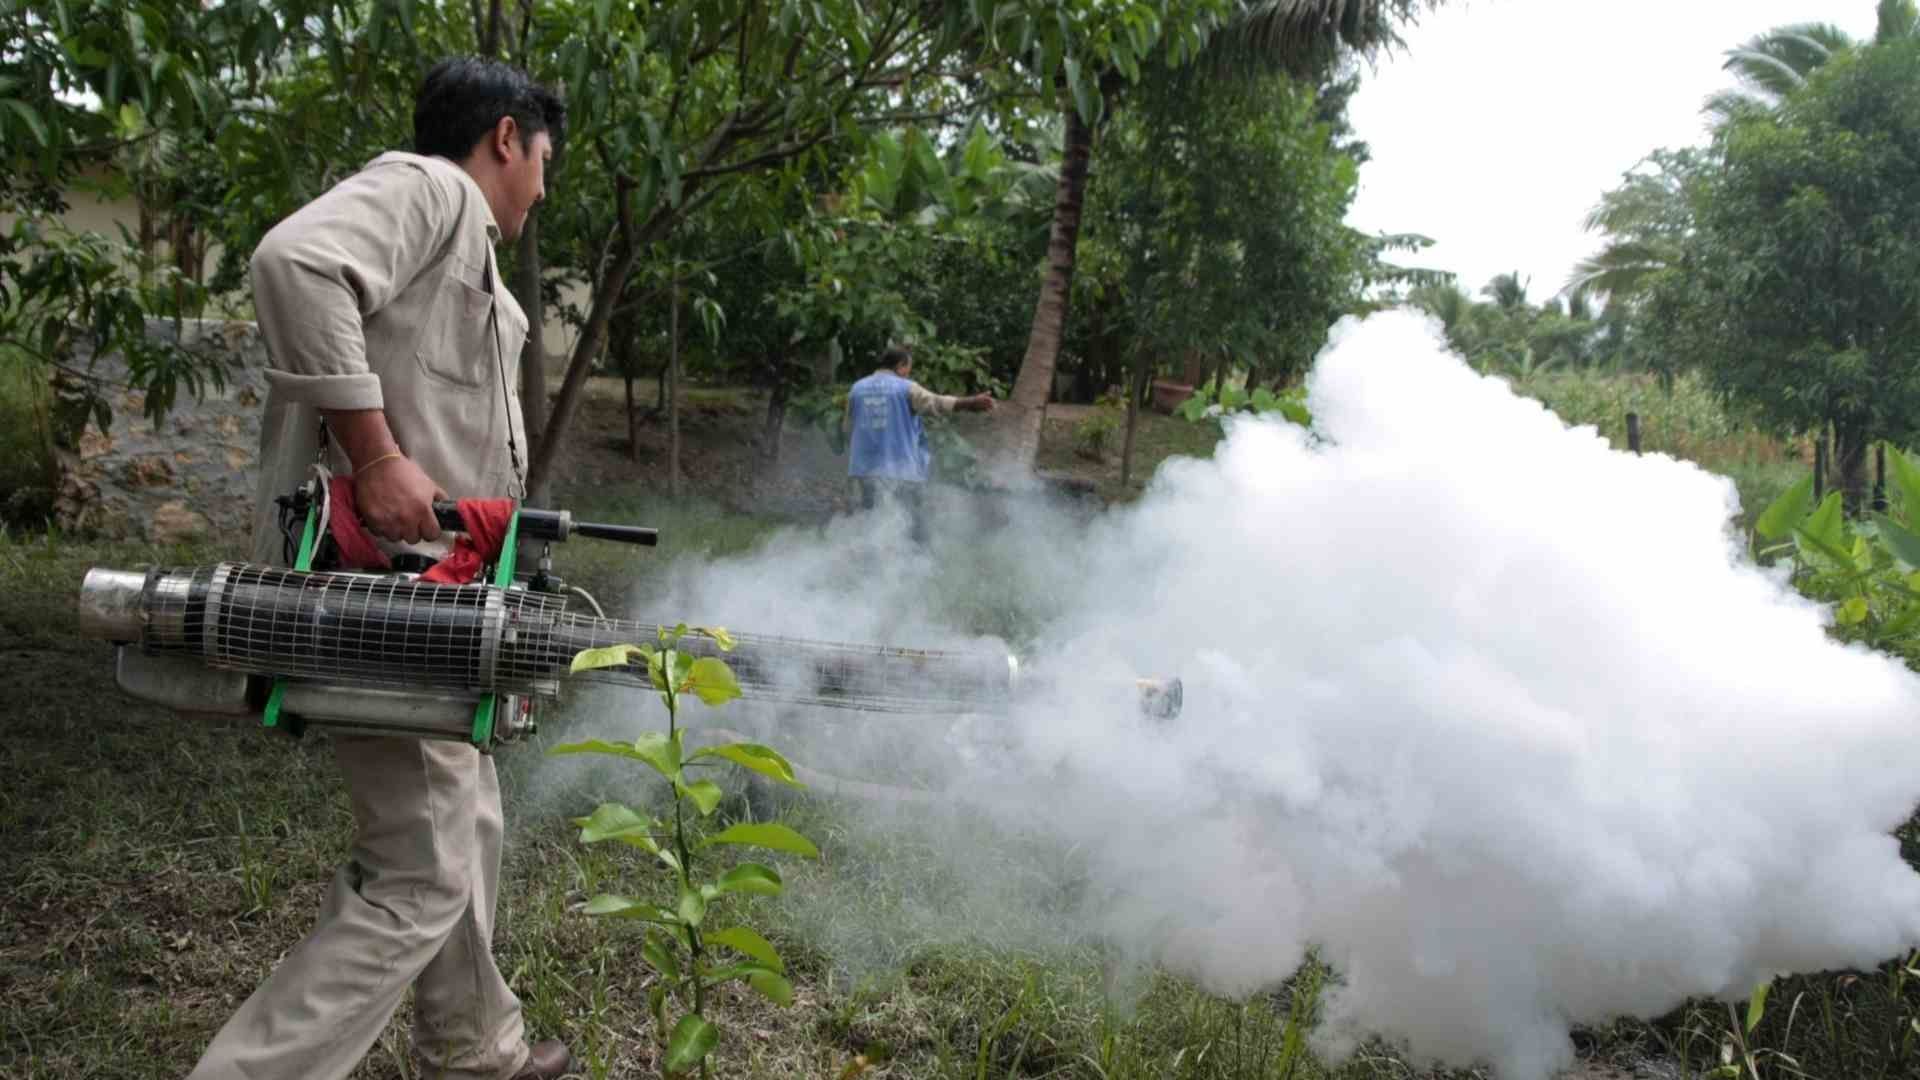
column 680, row 944
column 1291, row 404
column 1868, row 569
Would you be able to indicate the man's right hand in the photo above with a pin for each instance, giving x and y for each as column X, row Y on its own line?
column 395, row 498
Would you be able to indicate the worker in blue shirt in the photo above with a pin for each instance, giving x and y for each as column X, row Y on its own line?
column 889, row 455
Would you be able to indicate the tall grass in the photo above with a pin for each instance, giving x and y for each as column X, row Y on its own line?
column 1685, row 419
column 26, row 461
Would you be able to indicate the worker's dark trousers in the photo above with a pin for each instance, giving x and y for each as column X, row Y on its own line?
column 910, row 494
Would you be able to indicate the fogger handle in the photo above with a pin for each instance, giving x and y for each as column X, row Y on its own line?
column 555, row 526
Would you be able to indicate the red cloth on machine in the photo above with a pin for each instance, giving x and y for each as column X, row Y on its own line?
column 358, row 550
column 486, row 522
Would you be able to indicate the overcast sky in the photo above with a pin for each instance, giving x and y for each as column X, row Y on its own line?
column 1499, row 125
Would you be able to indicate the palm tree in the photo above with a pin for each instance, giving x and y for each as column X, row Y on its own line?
column 1773, row 65
column 1647, row 216
column 1508, row 291
column 1259, row 37
column 1447, row 302
column 1646, row 219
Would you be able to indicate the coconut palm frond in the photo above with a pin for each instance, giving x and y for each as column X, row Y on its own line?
column 1621, row 269
column 1728, row 106
column 1766, row 75
column 1444, row 300
column 1777, row 63
column 1808, row 45
column 1297, row 35
column 1645, row 202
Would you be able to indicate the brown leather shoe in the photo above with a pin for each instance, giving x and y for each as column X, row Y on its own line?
column 548, row 1059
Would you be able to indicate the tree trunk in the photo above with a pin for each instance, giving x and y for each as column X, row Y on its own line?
column 593, row 337
column 1141, row 381
column 633, row 418
column 1019, row 432
column 776, row 422
column 673, row 393
column 623, row 351
column 1851, row 441
column 533, row 355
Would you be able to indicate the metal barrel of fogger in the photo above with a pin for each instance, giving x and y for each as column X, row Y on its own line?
column 395, row 632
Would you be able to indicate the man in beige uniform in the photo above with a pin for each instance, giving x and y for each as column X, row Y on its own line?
column 384, row 311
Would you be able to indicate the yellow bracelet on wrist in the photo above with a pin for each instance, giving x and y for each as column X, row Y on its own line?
column 388, row 456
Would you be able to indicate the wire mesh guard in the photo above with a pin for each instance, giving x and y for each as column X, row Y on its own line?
column 875, row 678
column 390, row 631
column 366, row 629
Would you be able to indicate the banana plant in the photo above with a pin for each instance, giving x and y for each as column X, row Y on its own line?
column 1868, row 568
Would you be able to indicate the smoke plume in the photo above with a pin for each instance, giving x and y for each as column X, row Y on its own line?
column 1500, row 720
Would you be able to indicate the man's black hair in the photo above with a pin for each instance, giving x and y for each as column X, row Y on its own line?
column 895, row 356
column 463, row 97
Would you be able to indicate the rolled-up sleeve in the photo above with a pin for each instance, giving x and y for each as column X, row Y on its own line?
column 335, row 262
column 925, row 401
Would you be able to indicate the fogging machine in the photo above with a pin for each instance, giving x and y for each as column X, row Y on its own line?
column 389, row 653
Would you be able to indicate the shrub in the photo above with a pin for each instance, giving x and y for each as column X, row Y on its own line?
column 1093, row 436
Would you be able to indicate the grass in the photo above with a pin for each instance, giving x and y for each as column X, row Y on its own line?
column 25, row 462
column 1156, row 438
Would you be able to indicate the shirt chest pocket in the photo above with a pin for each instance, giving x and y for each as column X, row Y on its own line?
column 455, row 350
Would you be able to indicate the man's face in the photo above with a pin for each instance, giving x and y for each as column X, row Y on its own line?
column 904, row 369
column 523, row 176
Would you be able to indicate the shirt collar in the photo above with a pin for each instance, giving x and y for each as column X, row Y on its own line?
column 460, row 175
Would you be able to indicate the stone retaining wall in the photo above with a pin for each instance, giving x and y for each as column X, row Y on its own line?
column 190, row 478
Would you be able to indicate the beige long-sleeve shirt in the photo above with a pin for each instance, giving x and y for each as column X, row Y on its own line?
column 925, row 401
column 384, row 293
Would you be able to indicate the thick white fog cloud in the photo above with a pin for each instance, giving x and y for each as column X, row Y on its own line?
column 1500, row 720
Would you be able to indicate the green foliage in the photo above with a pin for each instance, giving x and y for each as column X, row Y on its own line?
column 27, row 463
column 1172, row 260
column 1684, row 416
column 680, row 942
column 136, row 95
column 1646, row 221
column 1798, row 284
column 1093, row 436
column 1853, row 1025
column 1204, row 406
column 64, row 293
column 1508, row 334
column 1868, row 570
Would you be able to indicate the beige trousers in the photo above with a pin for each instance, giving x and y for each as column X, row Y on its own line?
column 413, row 906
